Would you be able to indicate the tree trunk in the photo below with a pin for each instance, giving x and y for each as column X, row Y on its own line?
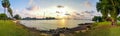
column 5, row 13
column 4, row 10
column 113, row 22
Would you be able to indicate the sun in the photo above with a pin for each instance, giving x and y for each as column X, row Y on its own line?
column 61, row 11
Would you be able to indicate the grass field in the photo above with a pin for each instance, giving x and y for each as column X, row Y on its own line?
column 102, row 29
column 8, row 28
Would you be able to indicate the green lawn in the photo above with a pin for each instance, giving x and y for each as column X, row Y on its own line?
column 102, row 29
column 8, row 28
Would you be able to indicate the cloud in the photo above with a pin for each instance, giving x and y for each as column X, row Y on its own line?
column 31, row 11
column 85, row 14
column 35, row 11
column 33, row 8
column 88, row 4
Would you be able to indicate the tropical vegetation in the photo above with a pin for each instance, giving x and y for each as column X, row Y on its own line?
column 3, row 16
column 110, row 10
column 17, row 16
column 97, row 19
column 109, row 7
column 7, row 8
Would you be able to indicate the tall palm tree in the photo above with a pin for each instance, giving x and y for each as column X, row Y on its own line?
column 5, row 4
column 111, row 7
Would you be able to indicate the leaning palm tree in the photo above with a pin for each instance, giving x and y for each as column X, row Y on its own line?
column 10, row 11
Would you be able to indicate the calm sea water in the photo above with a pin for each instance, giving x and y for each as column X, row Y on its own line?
column 52, row 24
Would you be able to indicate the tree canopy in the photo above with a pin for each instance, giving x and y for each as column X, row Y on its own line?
column 97, row 19
column 109, row 7
column 3, row 16
column 17, row 16
column 5, row 3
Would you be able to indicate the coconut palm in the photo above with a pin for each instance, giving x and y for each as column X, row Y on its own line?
column 5, row 4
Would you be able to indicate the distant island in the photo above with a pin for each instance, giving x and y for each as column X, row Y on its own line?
column 46, row 18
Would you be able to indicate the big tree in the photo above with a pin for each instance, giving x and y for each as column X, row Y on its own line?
column 111, row 7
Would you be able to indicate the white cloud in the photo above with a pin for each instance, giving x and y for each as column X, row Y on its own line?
column 32, row 11
column 85, row 14
column 35, row 11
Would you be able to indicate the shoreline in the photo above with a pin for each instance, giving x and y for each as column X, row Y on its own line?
column 34, row 30
column 58, row 31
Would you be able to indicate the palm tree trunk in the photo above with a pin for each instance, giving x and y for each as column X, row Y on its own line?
column 4, row 12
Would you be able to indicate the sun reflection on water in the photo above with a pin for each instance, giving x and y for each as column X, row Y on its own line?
column 62, row 23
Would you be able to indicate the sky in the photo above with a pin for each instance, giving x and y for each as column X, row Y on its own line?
column 79, row 9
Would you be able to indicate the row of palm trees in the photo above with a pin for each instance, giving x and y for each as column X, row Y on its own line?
column 7, row 8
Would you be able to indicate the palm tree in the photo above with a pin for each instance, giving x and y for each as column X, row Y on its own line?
column 10, row 11
column 5, row 4
column 111, row 7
